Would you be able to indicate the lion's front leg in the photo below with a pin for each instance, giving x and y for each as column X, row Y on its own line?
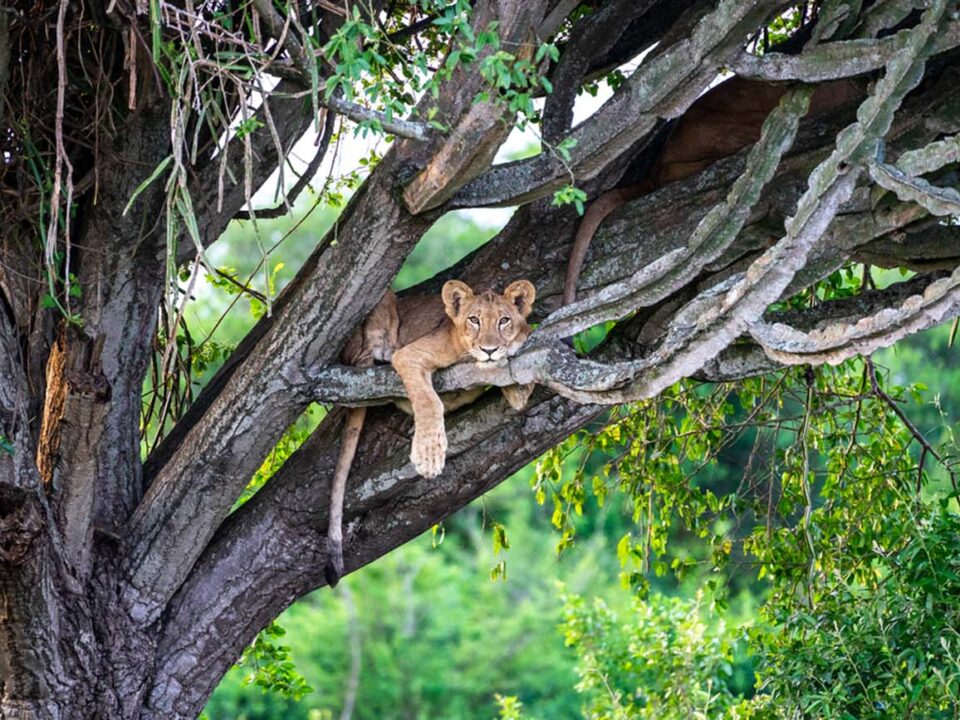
column 428, row 452
column 382, row 328
column 415, row 363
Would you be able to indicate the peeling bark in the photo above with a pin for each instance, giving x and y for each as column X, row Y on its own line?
column 127, row 588
column 832, row 61
column 663, row 87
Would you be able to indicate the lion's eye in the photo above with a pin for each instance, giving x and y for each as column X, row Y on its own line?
column 504, row 321
column 473, row 320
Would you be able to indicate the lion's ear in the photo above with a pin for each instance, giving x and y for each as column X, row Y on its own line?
column 455, row 294
column 521, row 294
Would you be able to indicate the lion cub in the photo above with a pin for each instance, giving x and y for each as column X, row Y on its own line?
column 419, row 335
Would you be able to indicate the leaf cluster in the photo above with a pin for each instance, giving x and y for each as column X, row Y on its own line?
column 270, row 667
column 662, row 662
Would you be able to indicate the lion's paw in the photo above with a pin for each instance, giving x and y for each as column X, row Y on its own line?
column 429, row 451
column 517, row 395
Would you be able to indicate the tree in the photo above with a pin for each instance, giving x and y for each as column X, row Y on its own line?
column 134, row 132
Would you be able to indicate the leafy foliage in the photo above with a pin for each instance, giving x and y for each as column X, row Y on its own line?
column 884, row 645
column 270, row 665
column 827, row 504
column 369, row 65
column 664, row 662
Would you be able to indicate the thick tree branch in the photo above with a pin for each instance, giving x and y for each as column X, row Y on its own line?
column 468, row 150
column 746, row 359
column 931, row 246
column 29, row 595
column 488, row 443
column 882, row 16
column 32, row 607
column 876, row 328
column 662, row 88
column 938, row 201
column 663, row 23
column 89, row 447
column 930, row 157
column 333, row 293
column 835, row 60
column 16, row 453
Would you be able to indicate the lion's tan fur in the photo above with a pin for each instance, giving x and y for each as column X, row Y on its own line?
column 419, row 335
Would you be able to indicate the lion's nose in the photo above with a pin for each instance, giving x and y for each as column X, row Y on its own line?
column 489, row 351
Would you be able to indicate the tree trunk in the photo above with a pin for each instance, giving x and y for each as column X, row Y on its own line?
column 129, row 586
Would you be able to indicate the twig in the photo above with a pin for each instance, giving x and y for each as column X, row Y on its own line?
column 244, row 288
column 275, row 24
column 62, row 160
column 914, row 431
column 302, row 182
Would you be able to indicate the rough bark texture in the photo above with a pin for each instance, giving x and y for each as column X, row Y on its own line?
column 127, row 586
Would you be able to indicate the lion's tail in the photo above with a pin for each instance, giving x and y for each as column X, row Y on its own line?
column 596, row 213
column 333, row 569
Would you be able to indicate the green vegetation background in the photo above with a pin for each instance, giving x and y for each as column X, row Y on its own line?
column 425, row 631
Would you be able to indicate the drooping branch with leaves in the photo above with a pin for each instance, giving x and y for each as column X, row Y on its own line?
column 135, row 131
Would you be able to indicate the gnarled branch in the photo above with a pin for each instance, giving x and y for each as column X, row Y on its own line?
column 836, row 60
column 335, row 290
column 662, row 88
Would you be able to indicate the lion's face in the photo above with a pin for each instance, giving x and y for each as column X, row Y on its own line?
column 490, row 327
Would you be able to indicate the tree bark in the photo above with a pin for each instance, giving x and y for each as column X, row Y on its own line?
column 127, row 586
